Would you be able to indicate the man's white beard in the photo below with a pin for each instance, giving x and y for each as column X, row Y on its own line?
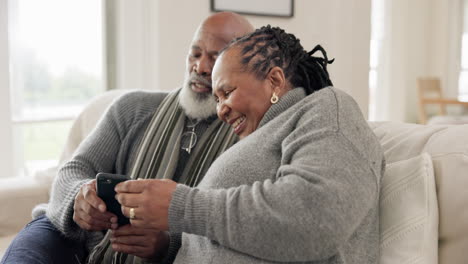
column 196, row 106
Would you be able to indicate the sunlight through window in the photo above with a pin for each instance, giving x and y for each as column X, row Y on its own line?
column 56, row 66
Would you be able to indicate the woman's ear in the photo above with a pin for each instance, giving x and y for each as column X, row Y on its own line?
column 276, row 77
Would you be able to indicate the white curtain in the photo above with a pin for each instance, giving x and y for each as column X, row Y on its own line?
column 421, row 38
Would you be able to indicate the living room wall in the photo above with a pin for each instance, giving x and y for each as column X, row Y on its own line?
column 423, row 39
column 153, row 39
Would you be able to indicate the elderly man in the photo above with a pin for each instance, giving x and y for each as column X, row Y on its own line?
column 143, row 135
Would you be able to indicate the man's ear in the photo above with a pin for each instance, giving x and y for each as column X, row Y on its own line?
column 277, row 79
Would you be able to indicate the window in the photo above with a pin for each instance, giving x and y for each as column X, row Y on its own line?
column 55, row 65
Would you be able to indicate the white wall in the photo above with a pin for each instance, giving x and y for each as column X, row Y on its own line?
column 341, row 27
column 135, row 35
column 152, row 40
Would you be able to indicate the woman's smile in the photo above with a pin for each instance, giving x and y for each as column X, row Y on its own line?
column 238, row 125
column 242, row 98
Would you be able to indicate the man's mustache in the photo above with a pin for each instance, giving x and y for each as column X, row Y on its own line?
column 198, row 79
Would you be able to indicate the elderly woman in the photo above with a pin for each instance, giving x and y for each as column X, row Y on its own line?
column 302, row 184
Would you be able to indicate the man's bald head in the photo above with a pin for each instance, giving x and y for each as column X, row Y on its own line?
column 213, row 34
column 226, row 25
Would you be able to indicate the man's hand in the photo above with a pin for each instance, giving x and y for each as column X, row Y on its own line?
column 144, row 243
column 150, row 200
column 90, row 211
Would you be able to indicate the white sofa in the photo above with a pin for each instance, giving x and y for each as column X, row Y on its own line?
column 448, row 150
column 18, row 196
column 446, row 145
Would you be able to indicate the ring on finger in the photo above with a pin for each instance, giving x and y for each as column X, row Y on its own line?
column 132, row 213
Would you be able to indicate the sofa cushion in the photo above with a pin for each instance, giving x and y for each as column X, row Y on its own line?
column 448, row 148
column 408, row 212
column 18, row 196
column 448, row 120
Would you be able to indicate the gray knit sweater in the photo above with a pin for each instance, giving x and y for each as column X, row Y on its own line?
column 111, row 147
column 303, row 188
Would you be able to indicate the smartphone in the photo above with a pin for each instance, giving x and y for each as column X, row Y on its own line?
column 105, row 184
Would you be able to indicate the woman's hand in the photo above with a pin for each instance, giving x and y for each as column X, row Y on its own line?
column 150, row 200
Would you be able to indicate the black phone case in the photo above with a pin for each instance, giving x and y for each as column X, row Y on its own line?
column 105, row 184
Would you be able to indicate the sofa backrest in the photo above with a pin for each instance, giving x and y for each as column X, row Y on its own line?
column 87, row 120
column 448, row 148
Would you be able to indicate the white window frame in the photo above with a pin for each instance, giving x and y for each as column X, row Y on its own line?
column 131, row 61
column 9, row 166
column 6, row 132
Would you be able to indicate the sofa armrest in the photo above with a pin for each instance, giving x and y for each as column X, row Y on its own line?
column 18, row 196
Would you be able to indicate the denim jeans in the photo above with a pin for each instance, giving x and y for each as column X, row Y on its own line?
column 40, row 242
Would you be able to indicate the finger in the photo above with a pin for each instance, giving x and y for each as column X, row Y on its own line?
column 100, row 223
column 137, row 223
column 95, row 213
column 90, row 195
column 141, row 240
column 138, row 213
column 82, row 224
column 81, row 207
column 86, row 224
column 128, row 230
column 128, row 199
column 129, row 249
column 131, row 186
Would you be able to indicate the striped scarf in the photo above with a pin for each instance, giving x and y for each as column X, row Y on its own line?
column 158, row 156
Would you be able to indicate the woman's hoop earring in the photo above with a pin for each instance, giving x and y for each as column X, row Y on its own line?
column 274, row 98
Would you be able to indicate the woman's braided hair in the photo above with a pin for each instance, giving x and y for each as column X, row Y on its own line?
column 268, row 47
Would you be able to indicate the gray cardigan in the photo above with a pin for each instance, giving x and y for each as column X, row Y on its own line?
column 304, row 187
column 111, row 147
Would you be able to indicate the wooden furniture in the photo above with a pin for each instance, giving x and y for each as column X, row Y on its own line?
column 430, row 93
